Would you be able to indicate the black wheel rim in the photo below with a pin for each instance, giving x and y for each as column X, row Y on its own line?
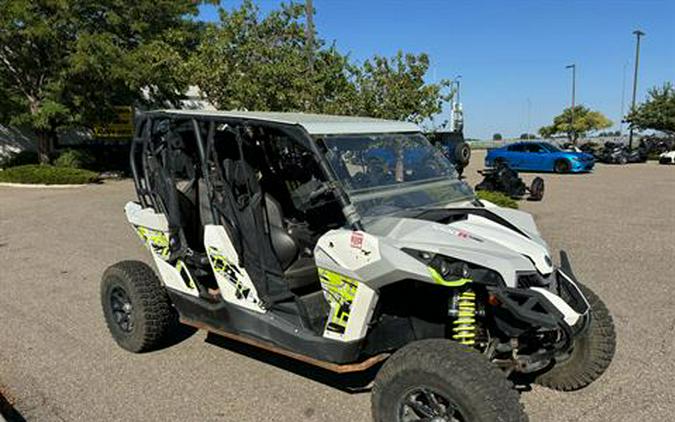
column 426, row 404
column 121, row 307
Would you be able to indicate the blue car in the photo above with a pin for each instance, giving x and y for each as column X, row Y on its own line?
column 540, row 156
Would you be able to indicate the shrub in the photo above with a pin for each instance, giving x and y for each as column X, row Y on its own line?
column 19, row 159
column 497, row 198
column 76, row 159
column 47, row 175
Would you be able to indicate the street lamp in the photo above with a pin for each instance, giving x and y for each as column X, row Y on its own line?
column 637, row 34
column 574, row 87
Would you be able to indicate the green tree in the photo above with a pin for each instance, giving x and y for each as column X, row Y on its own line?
column 585, row 120
column 69, row 62
column 250, row 62
column 253, row 63
column 394, row 88
column 658, row 112
column 497, row 137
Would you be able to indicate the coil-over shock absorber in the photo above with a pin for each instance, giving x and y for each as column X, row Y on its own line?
column 463, row 309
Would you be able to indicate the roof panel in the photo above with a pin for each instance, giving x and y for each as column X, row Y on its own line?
column 315, row 124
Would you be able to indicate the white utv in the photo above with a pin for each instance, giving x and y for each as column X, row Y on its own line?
column 350, row 243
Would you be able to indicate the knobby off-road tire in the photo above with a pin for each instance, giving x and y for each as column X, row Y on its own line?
column 592, row 353
column 537, row 189
column 136, row 307
column 444, row 371
column 462, row 153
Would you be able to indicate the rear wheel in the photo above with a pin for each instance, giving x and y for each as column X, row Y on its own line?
column 562, row 166
column 440, row 380
column 592, row 353
column 136, row 306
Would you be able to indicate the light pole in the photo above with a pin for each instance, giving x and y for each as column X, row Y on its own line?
column 623, row 99
column 574, row 88
column 638, row 34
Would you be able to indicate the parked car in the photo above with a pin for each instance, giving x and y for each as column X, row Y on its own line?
column 540, row 156
column 667, row 158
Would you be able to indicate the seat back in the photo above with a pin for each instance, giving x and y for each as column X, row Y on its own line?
column 283, row 244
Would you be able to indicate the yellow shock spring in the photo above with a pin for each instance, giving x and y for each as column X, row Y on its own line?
column 464, row 330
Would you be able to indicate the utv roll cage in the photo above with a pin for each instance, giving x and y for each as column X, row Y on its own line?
column 153, row 183
column 143, row 134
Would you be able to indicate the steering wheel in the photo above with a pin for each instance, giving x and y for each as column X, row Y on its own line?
column 360, row 180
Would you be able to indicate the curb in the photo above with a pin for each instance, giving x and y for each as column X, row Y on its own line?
column 39, row 186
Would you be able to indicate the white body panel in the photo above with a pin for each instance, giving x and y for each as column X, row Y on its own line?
column 153, row 229
column 234, row 282
column 569, row 315
column 669, row 155
column 487, row 229
column 340, row 255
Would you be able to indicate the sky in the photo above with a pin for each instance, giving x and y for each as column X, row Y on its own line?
column 511, row 54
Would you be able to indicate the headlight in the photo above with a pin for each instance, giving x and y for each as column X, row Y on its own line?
column 453, row 272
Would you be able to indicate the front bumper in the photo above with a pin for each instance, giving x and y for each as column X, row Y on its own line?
column 581, row 166
column 526, row 313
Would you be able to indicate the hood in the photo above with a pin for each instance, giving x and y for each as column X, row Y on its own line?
column 486, row 239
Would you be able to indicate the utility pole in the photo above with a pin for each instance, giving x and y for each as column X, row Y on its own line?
column 457, row 82
column 638, row 34
column 623, row 99
column 309, row 11
column 574, row 88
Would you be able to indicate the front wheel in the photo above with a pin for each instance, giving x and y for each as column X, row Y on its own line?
column 562, row 166
column 592, row 353
column 440, row 380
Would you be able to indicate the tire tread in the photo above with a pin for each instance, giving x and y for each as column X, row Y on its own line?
column 575, row 375
column 499, row 401
column 156, row 316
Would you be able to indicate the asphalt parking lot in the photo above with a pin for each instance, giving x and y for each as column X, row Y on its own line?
column 59, row 363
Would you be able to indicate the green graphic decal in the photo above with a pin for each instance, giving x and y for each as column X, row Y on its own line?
column 231, row 272
column 185, row 274
column 340, row 292
column 156, row 240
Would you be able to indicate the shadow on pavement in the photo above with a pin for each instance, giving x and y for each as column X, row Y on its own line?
column 8, row 411
column 178, row 334
column 356, row 382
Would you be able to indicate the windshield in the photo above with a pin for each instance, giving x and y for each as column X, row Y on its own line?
column 386, row 173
